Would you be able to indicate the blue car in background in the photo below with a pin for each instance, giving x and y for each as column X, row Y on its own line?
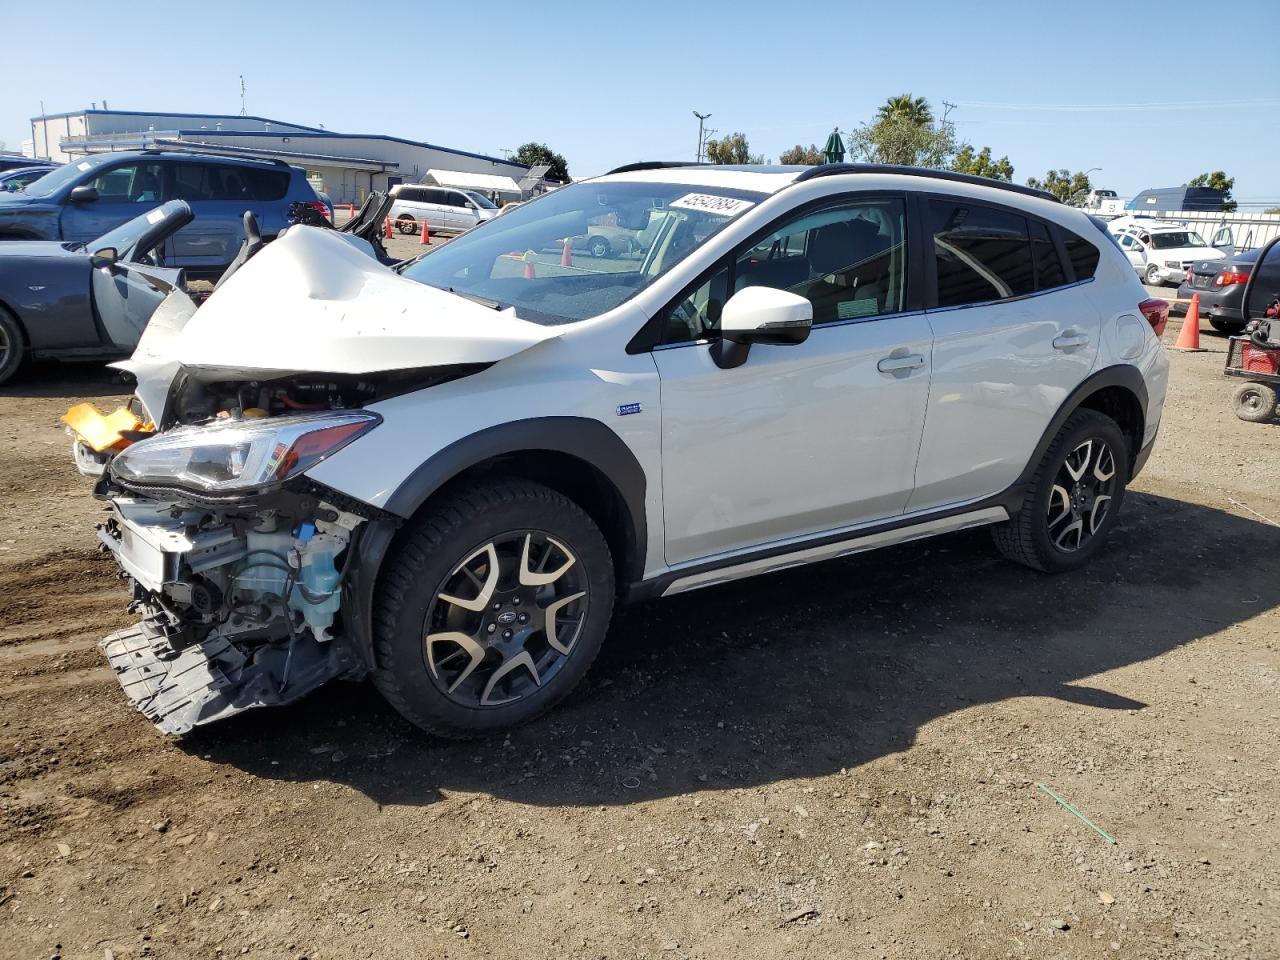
column 11, row 181
column 86, row 198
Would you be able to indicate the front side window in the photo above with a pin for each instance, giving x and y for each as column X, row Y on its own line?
column 848, row 261
column 520, row 259
column 130, row 183
column 980, row 253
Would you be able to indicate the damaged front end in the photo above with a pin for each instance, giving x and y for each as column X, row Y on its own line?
column 238, row 564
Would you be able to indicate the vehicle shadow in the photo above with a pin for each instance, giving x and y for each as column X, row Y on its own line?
column 80, row 379
column 801, row 673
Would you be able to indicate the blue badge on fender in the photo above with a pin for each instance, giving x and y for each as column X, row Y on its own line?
column 626, row 409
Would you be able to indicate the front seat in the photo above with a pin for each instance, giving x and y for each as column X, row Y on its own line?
column 844, row 268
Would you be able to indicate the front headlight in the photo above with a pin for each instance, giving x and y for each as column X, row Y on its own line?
column 1173, row 264
column 234, row 456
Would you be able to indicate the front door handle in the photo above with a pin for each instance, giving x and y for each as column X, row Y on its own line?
column 912, row 361
column 1067, row 341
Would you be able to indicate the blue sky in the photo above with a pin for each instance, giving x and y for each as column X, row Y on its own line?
column 607, row 83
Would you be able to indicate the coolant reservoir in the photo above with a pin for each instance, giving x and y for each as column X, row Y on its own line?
column 319, row 596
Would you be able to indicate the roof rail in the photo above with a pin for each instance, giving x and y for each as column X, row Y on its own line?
column 836, row 169
column 652, row 165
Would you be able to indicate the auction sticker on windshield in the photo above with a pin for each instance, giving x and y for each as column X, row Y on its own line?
column 710, row 203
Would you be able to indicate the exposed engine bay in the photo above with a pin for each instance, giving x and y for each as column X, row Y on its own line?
column 239, row 609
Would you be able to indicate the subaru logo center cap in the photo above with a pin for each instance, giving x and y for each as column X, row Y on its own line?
column 507, row 617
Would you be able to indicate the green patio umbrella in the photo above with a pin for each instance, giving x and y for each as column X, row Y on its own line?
column 834, row 150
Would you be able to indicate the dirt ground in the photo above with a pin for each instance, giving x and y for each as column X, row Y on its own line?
column 839, row 761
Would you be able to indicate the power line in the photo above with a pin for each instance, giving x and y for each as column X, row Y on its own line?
column 1112, row 107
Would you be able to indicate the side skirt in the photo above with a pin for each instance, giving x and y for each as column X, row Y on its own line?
column 677, row 582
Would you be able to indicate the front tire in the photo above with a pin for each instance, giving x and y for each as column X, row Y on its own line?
column 1153, row 276
column 13, row 345
column 492, row 609
column 599, row 247
column 406, row 225
column 1073, row 499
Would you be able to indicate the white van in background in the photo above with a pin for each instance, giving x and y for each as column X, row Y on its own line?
column 445, row 209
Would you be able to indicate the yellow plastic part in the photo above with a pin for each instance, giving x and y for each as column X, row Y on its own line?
column 100, row 432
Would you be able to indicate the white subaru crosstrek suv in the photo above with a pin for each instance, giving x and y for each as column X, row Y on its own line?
column 445, row 474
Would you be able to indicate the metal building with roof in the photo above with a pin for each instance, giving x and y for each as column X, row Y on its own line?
column 348, row 164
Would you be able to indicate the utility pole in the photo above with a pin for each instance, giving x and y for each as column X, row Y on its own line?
column 702, row 119
column 243, row 113
column 947, row 112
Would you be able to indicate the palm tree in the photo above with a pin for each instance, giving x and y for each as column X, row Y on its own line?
column 914, row 110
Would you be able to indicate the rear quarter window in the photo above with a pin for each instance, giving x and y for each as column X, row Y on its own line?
column 1082, row 254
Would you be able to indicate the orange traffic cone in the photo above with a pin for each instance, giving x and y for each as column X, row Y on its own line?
column 528, row 270
column 1189, row 338
column 566, row 256
column 425, row 239
column 386, row 229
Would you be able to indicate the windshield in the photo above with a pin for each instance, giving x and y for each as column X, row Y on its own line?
column 1182, row 238
column 481, row 200
column 73, row 171
column 620, row 238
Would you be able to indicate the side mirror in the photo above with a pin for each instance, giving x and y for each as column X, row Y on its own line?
column 1262, row 289
column 760, row 315
column 104, row 257
column 83, row 194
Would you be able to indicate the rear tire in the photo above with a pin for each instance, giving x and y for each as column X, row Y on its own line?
column 1073, row 499
column 463, row 651
column 13, row 345
column 1254, row 402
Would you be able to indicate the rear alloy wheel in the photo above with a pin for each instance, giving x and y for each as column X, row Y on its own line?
column 492, row 609
column 406, row 225
column 13, row 346
column 1073, row 499
column 1254, row 402
column 1153, row 276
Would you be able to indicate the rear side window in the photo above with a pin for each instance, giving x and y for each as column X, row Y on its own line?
column 1049, row 272
column 981, row 253
column 1082, row 254
column 263, row 184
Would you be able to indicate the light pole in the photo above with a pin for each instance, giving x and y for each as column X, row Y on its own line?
column 702, row 118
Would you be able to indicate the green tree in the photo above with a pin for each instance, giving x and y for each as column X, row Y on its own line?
column 980, row 164
column 904, row 107
column 807, row 156
column 1062, row 183
column 732, row 149
column 895, row 140
column 1219, row 181
column 534, row 154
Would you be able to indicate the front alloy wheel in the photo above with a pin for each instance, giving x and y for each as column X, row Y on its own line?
column 491, row 609
column 507, row 620
column 1082, row 494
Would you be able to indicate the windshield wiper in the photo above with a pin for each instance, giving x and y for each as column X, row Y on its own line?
column 483, row 301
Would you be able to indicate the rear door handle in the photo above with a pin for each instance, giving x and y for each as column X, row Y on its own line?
column 1068, row 340
column 912, row 361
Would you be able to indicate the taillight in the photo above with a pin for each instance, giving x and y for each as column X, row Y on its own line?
column 1157, row 313
column 1228, row 277
column 1188, row 274
column 319, row 207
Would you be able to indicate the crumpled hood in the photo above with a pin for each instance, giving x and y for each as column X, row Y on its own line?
column 311, row 301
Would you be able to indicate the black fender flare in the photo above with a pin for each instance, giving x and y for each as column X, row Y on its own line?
column 579, row 437
column 1120, row 375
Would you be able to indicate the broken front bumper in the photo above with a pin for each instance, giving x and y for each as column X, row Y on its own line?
column 225, row 628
